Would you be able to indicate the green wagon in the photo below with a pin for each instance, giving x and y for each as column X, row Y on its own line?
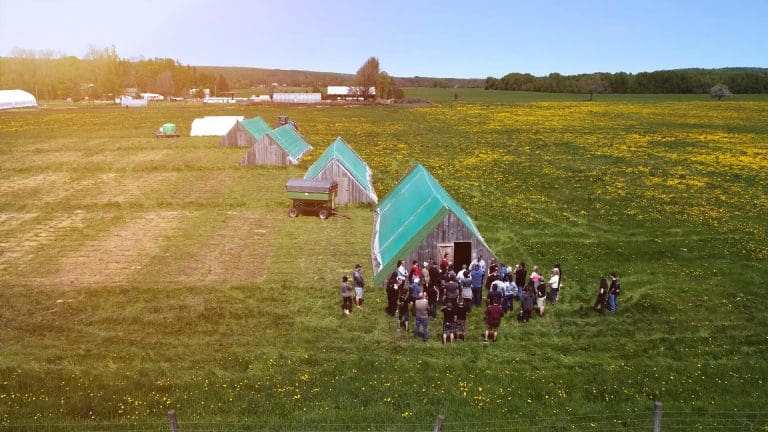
column 316, row 196
column 168, row 130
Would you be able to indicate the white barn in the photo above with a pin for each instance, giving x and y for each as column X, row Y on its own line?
column 347, row 92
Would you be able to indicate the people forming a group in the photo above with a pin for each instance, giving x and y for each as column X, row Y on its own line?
column 608, row 295
column 422, row 292
column 430, row 290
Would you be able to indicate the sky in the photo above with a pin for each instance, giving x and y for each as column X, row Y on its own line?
column 440, row 38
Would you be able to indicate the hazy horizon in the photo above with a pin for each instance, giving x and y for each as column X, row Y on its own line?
column 490, row 38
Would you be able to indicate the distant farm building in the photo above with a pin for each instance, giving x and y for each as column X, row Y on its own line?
column 260, row 98
column 152, row 96
column 340, row 163
column 16, row 99
column 128, row 101
column 282, row 146
column 245, row 133
column 219, row 100
column 347, row 92
column 419, row 220
column 297, row 98
column 213, row 125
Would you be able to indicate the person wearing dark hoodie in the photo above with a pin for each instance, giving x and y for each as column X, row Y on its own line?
column 526, row 302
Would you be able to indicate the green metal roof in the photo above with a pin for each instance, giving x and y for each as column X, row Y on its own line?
column 343, row 153
column 290, row 140
column 407, row 214
column 256, row 126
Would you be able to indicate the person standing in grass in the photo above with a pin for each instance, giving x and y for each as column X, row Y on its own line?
column 461, row 320
column 392, row 288
column 357, row 276
column 451, row 289
column 493, row 276
column 403, row 315
column 541, row 296
column 520, row 274
column 402, row 273
column 526, row 302
column 494, row 267
column 554, row 284
column 416, row 290
column 467, row 290
column 449, row 323
column 510, row 291
column 496, row 293
column 433, row 290
column 444, row 264
column 535, row 276
column 414, row 272
column 479, row 261
column 346, row 295
column 493, row 314
column 602, row 294
column 613, row 293
column 476, row 276
column 421, row 311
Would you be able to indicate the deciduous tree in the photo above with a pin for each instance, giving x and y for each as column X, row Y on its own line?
column 719, row 91
column 367, row 77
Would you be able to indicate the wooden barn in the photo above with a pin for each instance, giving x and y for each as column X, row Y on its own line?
column 281, row 146
column 245, row 133
column 419, row 220
column 340, row 163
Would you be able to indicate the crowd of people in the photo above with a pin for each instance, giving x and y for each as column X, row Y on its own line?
column 422, row 291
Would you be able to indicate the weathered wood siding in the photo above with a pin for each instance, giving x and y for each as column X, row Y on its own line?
column 353, row 193
column 238, row 136
column 450, row 229
column 266, row 151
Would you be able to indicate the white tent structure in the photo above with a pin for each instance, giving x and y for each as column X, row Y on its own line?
column 16, row 99
column 214, row 125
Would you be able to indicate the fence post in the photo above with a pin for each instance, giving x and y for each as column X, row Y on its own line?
column 439, row 423
column 172, row 421
column 657, row 410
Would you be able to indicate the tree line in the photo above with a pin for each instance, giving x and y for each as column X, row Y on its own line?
column 100, row 74
column 738, row 80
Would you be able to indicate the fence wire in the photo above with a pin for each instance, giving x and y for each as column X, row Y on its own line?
column 627, row 422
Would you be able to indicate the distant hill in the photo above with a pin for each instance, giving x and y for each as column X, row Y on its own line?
column 726, row 69
column 245, row 77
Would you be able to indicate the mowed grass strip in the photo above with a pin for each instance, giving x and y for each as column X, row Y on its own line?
column 237, row 251
column 118, row 254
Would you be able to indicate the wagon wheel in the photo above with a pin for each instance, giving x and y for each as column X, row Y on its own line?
column 293, row 212
column 323, row 214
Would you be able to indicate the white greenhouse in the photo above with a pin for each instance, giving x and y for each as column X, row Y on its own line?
column 214, row 125
column 16, row 99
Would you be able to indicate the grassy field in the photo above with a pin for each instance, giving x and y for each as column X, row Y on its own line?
column 478, row 95
column 139, row 275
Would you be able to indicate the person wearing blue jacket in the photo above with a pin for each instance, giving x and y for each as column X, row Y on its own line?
column 476, row 275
